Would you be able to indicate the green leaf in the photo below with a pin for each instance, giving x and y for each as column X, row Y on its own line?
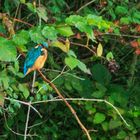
column 16, row 66
column 50, row 33
column 136, row 17
column 35, row 35
column 98, row 94
column 119, row 94
column 83, row 67
column 121, row 135
column 22, row 1
column 136, row 14
column 101, row 87
column 120, row 10
column 23, row 88
column 84, row 27
column 98, row 22
column 4, row 79
column 105, row 126
column 71, row 62
column 114, row 124
column 21, row 38
column 99, row 118
column 125, row 20
column 88, row 89
column 64, row 47
column 65, row 31
column 22, row 48
column 117, row 31
column 73, row 19
column 81, row 23
column 71, row 53
column 41, row 11
column 8, row 50
column 94, row 20
column 76, row 84
column 109, row 56
column 101, row 74
column 31, row 7
column 89, row 107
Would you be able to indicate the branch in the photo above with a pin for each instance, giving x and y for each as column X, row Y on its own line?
column 78, row 44
column 67, row 104
column 25, row 103
column 85, row 6
column 24, row 22
column 85, row 99
column 121, row 35
column 61, row 72
column 16, row 133
column 33, row 82
column 27, row 121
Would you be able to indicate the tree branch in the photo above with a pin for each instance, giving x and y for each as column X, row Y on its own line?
column 27, row 121
column 67, row 104
column 85, row 99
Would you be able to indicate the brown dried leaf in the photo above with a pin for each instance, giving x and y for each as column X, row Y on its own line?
column 134, row 44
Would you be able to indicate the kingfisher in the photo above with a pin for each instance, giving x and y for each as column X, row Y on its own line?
column 36, row 58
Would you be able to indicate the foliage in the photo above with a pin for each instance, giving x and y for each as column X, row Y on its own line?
column 97, row 45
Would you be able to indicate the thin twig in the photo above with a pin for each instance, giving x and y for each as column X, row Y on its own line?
column 25, row 103
column 85, row 46
column 81, row 45
column 18, row 134
column 54, row 78
column 37, row 124
column 59, row 74
column 120, row 35
column 84, row 99
column 117, row 112
column 27, row 121
column 85, row 6
column 67, row 104
column 66, row 73
column 24, row 22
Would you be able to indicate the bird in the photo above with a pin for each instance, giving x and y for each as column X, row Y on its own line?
column 35, row 58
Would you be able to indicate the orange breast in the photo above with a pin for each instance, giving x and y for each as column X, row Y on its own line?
column 39, row 63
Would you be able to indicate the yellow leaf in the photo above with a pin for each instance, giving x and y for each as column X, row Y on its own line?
column 64, row 47
column 67, row 44
column 100, row 50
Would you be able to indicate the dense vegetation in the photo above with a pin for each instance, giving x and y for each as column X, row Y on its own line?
column 93, row 53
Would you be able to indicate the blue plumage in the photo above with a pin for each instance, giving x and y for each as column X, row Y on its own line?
column 31, row 57
column 45, row 44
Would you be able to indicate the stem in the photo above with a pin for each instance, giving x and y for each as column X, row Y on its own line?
column 27, row 121
column 33, row 83
column 85, row 6
column 67, row 104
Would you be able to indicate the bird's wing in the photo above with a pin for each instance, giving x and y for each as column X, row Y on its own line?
column 31, row 57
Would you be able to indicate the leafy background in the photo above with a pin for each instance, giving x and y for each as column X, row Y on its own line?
column 94, row 49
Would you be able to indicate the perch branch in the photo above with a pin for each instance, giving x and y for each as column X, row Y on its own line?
column 33, row 82
column 67, row 104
